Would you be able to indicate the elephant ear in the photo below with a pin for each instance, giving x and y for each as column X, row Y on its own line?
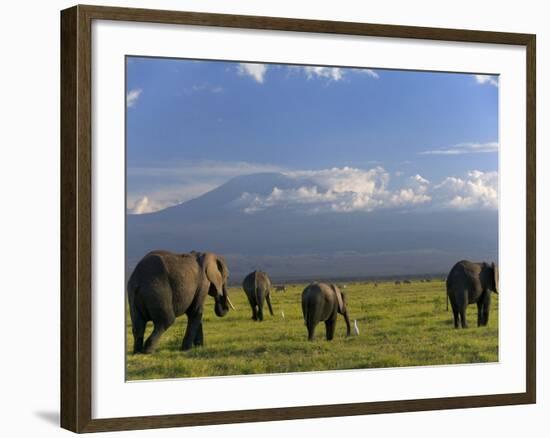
column 494, row 267
column 214, row 271
column 339, row 298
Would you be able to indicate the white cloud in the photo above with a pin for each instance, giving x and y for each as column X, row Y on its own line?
column 341, row 190
column 258, row 71
column 477, row 190
column 418, row 179
column 345, row 189
column 465, row 148
column 132, row 96
column 335, row 73
column 145, row 205
column 301, row 195
column 255, row 71
column 331, row 73
column 350, row 189
column 368, row 72
column 487, row 79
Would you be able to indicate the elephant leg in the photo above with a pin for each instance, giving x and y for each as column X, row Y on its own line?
column 268, row 301
column 486, row 306
column 253, row 305
column 456, row 316
column 310, row 330
column 260, row 303
column 463, row 317
column 479, row 313
column 193, row 323
column 261, row 310
column 153, row 339
column 138, row 330
column 485, row 315
column 199, row 338
column 330, row 325
column 260, row 313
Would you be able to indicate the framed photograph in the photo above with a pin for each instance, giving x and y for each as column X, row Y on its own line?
column 270, row 218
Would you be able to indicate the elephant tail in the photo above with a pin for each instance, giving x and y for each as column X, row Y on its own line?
column 258, row 294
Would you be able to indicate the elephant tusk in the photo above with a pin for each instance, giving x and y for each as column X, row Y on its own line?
column 230, row 303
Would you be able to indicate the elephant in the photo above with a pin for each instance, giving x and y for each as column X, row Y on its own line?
column 257, row 287
column 323, row 302
column 165, row 285
column 469, row 283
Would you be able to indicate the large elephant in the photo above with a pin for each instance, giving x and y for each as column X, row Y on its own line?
column 165, row 285
column 469, row 283
column 257, row 287
column 323, row 302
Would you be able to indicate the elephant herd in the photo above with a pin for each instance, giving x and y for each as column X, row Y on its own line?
column 165, row 285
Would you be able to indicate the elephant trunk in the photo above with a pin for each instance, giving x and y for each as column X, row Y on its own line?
column 221, row 307
column 348, row 327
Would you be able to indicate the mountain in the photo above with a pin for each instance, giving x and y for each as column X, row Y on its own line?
column 296, row 242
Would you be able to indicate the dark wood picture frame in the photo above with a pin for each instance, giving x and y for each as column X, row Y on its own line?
column 76, row 217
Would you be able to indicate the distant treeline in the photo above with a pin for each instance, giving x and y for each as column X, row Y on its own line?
column 331, row 279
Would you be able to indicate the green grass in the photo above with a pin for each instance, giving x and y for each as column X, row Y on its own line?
column 404, row 325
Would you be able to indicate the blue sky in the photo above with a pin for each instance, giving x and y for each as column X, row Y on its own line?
column 192, row 125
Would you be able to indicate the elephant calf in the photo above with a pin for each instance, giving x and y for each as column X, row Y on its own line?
column 165, row 285
column 469, row 283
column 323, row 302
column 257, row 287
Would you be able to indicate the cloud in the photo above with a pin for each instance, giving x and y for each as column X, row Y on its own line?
column 145, row 205
column 368, row 72
column 465, row 148
column 487, row 79
column 166, row 184
column 349, row 189
column 478, row 190
column 340, row 190
column 418, row 179
column 331, row 73
column 255, row 71
column 132, row 97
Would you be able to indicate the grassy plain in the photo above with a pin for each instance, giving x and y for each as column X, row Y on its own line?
column 400, row 325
